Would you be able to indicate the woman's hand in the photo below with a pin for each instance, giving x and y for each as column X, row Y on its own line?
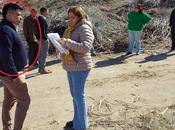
column 62, row 41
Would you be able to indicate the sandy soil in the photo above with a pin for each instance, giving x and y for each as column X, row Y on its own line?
column 123, row 92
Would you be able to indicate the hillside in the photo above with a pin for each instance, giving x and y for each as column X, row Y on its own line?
column 109, row 19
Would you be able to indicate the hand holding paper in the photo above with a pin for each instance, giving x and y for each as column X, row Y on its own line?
column 62, row 41
column 54, row 38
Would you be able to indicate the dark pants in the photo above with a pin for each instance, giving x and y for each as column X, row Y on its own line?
column 173, row 38
column 32, row 53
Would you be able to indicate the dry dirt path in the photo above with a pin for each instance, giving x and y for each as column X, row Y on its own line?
column 122, row 92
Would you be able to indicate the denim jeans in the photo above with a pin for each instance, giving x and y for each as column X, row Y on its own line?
column 77, row 81
column 134, row 41
column 43, row 54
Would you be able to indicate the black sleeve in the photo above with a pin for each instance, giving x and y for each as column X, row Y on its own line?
column 43, row 27
column 25, row 29
column 6, row 57
column 172, row 18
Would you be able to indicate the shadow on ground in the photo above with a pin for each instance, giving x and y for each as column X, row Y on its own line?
column 49, row 63
column 158, row 57
column 112, row 61
column 1, row 84
column 28, row 76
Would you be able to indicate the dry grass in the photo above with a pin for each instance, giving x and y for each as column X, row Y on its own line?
column 101, row 111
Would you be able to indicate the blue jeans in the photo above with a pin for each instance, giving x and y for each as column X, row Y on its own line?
column 134, row 41
column 77, row 81
column 43, row 54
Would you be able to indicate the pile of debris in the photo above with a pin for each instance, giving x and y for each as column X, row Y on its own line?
column 109, row 20
column 110, row 24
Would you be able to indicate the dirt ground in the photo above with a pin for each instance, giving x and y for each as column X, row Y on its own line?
column 124, row 93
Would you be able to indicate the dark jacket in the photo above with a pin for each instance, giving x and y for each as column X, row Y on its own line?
column 13, row 55
column 29, row 29
column 44, row 28
column 172, row 18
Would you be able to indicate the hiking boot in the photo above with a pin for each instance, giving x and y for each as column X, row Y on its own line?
column 44, row 71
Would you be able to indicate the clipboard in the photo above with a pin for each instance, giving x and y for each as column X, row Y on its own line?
column 54, row 37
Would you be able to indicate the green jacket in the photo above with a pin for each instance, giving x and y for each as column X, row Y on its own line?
column 137, row 21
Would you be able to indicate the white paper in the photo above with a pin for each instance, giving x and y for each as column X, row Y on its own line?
column 54, row 37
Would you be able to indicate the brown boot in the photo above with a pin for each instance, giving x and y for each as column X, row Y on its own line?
column 44, row 71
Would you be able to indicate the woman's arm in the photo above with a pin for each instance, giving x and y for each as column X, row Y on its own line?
column 86, row 41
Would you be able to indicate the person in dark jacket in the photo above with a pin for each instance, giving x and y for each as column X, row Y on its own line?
column 29, row 29
column 172, row 25
column 13, row 59
column 45, row 41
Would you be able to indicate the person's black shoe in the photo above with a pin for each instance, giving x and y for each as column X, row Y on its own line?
column 93, row 54
column 172, row 49
column 69, row 124
column 128, row 53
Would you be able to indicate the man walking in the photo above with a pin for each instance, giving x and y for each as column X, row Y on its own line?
column 13, row 59
column 29, row 28
column 45, row 41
